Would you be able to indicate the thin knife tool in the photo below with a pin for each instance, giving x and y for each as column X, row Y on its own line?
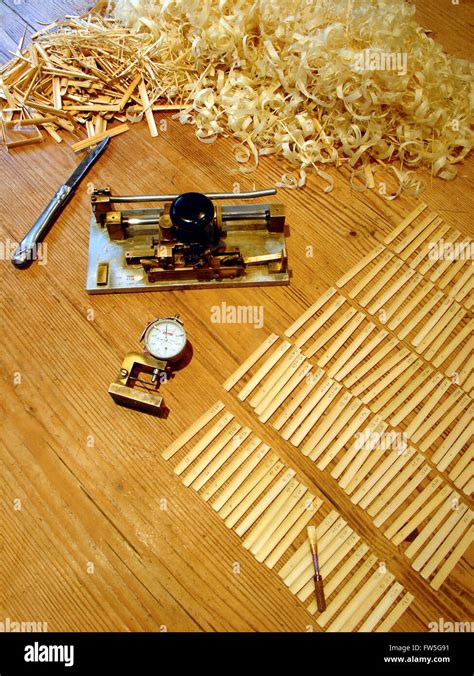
column 26, row 252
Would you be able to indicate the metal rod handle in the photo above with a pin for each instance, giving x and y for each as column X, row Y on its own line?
column 212, row 195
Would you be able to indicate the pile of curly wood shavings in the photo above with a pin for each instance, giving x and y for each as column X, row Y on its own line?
column 354, row 83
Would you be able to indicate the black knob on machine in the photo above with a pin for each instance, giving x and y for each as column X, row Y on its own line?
column 193, row 215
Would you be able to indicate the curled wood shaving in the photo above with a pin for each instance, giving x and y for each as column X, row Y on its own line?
column 317, row 83
column 354, row 83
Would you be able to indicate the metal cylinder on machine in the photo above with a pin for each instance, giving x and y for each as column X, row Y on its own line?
column 193, row 215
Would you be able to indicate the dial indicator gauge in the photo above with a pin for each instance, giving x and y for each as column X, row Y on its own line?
column 165, row 339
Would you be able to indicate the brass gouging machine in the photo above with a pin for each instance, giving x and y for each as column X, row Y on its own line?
column 190, row 241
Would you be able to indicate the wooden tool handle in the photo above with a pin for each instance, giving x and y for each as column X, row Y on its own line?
column 320, row 598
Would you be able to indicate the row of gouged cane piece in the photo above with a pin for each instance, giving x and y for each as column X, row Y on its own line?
column 386, row 382
column 313, row 410
column 269, row 508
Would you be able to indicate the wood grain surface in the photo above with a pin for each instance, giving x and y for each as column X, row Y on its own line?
column 96, row 530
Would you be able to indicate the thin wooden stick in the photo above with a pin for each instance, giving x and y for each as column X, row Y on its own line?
column 432, row 525
column 280, row 369
column 419, row 516
column 354, row 345
column 465, row 280
column 311, row 381
column 453, row 269
column 417, row 235
column 380, row 283
column 446, row 545
column 443, row 335
column 399, row 299
column 461, row 465
column 367, row 349
column 274, row 515
column 243, row 482
column 360, row 467
column 249, row 362
column 232, row 466
column 365, row 601
column 57, row 101
column 358, row 267
column 400, row 379
column 347, row 590
column 406, row 393
column 384, row 473
column 341, row 339
column 417, row 398
column 377, row 386
column 463, row 423
column 438, row 538
column 279, row 541
column 352, row 451
column 383, row 298
column 342, row 440
column 454, row 442
column 426, row 247
column 289, row 538
column 330, row 332
column 286, row 373
column 413, row 234
column 315, row 414
column 439, row 413
column 396, row 476
column 424, row 310
column 307, row 314
column 442, row 313
column 307, row 407
column 409, row 305
column 370, row 363
column 329, row 426
column 192, row 430
column 379, row 611
column 452, row 559
column 382, row 370
column 250, row 496
column 320, row 321
column 380, row 264
column 129, row 91
column 413, row 507
column 426, row 409
column 341, row 423
column 217, row 462
column 348, row 539
column 114, row 131
column 209, row 436
column 457, row 409
column 396, row 613
column 465, row 477
column 343, row 572
column 264, row 369
column 285, row 391
column 246, row 468
column 405, row 222
column 402, row 495
column 147, row 108
column 211, row 452
column 464, row 354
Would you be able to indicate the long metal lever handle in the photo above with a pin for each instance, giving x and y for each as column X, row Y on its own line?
column 212, row 195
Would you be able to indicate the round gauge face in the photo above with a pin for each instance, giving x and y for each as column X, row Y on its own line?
column 165, row 339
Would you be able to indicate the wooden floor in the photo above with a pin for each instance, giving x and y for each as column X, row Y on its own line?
column 84, row 542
